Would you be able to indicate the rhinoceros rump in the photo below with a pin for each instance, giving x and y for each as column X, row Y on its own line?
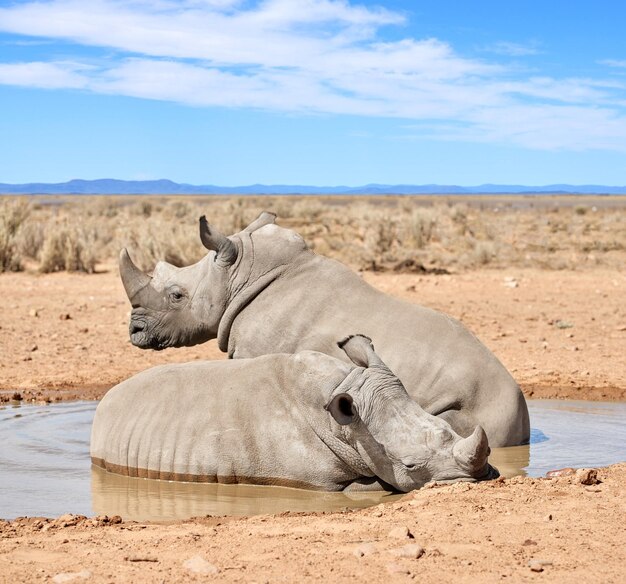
column 306, row 420
column 263, row 291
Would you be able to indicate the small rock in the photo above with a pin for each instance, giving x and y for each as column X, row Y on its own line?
column 65, row 316
column 563, row 324
column 33, row 312
column 400, row 532
column 364, row 549
column 27, row 358
column 17, row 396
column 199, row 565
column 33, row 348
column 69, row 576
column 529, row 542
column 538, row 565
column 548, row 517
column 394, row 568
column 587, row 476
column 140, row 559
column 410, row 550
column 561, row 472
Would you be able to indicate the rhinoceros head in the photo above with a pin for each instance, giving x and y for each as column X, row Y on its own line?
column 401, row 443
column 176, row 307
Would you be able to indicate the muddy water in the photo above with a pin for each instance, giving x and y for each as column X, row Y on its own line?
column 45, row 468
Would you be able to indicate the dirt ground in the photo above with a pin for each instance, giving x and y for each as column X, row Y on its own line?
column 561, row 333
column 564, row 529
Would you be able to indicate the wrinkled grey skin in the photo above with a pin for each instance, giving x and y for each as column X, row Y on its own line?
column 307, row 420
column 263, row 291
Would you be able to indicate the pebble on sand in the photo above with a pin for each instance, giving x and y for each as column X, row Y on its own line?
column 587, row 476
column 69, row 576
column 410, row 550
column 199, row 565
column 364, row 549
column 400, row 532
column 394, row 568
column 538, row 565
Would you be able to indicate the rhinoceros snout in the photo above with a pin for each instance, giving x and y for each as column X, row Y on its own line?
column 491, row 472
column 136, row 326
column 139, row 336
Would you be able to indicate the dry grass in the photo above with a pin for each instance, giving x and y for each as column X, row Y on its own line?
column 454, row 233
column 13, row 214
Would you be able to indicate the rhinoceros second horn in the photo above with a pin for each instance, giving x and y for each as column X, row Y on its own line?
column 213, row 240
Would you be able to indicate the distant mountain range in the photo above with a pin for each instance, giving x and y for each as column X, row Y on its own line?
column 108, row 186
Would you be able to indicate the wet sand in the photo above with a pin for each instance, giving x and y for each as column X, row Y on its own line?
column 514, row 530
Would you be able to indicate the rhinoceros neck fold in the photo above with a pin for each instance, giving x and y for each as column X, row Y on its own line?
column 346, row 453
column 250, row 279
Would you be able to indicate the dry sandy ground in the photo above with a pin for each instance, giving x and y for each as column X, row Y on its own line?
column 561, row 334
column 516, row 530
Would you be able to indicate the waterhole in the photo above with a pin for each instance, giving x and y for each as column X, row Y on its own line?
column 45, row 469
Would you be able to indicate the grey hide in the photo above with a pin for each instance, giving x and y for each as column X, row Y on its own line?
column 264, row 291
column 307, row 420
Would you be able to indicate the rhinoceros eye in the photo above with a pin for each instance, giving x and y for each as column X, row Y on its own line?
column 176, row 295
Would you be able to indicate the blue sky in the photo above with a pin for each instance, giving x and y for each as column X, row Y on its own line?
column 322, row 92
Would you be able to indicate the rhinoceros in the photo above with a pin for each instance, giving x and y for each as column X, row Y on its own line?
column 304, row 420
column 264, row 291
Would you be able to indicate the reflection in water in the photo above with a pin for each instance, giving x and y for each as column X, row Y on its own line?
column 45, row 467
column 512, row 461
column 146, row 499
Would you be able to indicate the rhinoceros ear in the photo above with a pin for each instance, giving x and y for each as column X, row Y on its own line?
column 225, row 250
column 341, row 407
column 265, row 218
column 360, row 350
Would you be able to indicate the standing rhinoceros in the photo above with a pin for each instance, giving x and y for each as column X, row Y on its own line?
column 264, row 291
column 306, row 420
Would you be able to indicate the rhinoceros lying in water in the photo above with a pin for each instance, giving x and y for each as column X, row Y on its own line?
column 305, row 420
column 263, row 291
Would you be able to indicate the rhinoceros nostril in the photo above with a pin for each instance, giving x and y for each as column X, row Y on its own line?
column 136, row 326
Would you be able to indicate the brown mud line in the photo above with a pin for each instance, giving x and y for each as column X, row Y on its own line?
column 563, row 529
column 562, row 334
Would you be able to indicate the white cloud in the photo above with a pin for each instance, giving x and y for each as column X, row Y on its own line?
column 513, row 49
column 315, row 56
column 620, row 63
column 43, row 75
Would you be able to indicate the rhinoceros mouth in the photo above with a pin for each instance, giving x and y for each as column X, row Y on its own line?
column 139, row 337
column 143, row 341
column 490, row 473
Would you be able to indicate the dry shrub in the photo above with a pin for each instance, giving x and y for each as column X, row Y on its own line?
column 423, row 222
column 484, row 252
column 31, row 240
column 363, row 232
column 149, row 242
column 13, row 214
column 69, row 246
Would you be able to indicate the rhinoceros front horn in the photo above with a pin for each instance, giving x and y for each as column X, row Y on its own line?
column 472, row 452
column 133, row 278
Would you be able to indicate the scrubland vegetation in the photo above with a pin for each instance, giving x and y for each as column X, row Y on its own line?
column 432, row 233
